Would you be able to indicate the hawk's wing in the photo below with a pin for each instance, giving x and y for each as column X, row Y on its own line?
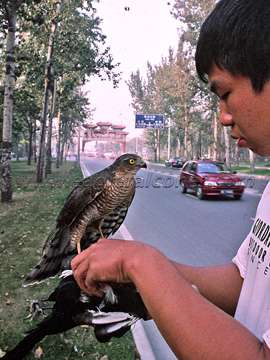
column 82, row 195
column 57, row 246
column 109, row 226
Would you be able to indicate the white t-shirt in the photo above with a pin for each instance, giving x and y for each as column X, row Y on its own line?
column 253, row 261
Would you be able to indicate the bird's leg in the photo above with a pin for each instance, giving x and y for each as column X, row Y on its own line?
column 100, row 231
column 36, row 309
column 78, row 242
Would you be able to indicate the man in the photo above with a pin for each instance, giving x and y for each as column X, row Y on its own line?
column 233, row 55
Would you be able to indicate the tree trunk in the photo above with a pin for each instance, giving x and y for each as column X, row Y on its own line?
column 178, row 146
column 252, row 160
column 48, row 168
column 47, row 83
column 35, row 142
column 63, row 142
column 215, row 144
column 30, row 150
column 185, row 134
column 199, row 145
column 227, row 147
column 58, row 139
column 158, row 145
column 62, row 152
column 79, row 147
column 9, row 83
column 169, row 139
column 236, row 155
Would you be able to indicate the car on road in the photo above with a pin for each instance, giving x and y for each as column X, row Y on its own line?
column 175, row 162
column 210, row 178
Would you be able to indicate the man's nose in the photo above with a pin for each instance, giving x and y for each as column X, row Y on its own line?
column 225, row 116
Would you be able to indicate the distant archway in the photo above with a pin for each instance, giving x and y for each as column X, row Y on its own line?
column 105, row 132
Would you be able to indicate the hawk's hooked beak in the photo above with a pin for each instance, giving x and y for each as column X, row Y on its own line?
column 142, row 164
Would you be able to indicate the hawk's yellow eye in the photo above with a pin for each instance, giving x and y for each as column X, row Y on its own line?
column 131, row 161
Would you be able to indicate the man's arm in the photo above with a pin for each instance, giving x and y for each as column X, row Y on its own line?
column 194, row 327
column 219, row 284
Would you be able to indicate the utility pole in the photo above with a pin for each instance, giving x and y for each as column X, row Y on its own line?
column 169, row 138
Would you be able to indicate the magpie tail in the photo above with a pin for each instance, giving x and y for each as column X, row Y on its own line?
column 25, row 345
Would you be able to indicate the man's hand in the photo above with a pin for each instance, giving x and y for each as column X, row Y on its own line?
column 104, row 262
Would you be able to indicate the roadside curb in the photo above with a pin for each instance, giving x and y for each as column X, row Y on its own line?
column 260, row 177
column 142, row 343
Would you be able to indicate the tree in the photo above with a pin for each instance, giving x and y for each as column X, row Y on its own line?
column 75, row 53
column 166, row 90
column 44, row 56
column 27, row 108
column 75, row 109
column 48, row 87
column 9, row 14
column 191, row 13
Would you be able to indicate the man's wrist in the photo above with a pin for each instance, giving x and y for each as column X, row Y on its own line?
column 137, row 263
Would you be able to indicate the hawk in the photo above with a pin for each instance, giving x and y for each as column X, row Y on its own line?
column 95, row 208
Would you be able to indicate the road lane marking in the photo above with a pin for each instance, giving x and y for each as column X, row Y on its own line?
column 192, row 196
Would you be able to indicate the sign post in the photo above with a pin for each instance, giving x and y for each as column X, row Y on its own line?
column 149, row 121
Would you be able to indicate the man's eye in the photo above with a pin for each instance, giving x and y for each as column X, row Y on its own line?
column 224, row 96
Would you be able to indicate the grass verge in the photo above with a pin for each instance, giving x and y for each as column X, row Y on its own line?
column 24, row 225
column 246, row 170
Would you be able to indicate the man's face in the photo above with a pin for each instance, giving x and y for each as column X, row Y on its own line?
column 244, row 110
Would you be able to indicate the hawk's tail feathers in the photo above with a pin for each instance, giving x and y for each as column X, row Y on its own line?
column 56, row 248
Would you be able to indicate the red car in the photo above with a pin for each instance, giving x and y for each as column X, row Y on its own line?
column 210, row 178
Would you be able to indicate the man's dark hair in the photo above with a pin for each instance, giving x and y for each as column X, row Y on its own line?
column 236, row 37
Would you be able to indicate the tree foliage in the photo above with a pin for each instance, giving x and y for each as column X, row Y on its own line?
column 79, row 51
column 173, row 89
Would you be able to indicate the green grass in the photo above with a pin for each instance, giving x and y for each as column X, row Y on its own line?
column 246, row 170
column 24, row 225
column 263, row 163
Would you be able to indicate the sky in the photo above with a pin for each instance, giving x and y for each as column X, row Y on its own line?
column 144, row 33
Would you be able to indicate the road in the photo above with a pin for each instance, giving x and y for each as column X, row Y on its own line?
column 186, row 229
